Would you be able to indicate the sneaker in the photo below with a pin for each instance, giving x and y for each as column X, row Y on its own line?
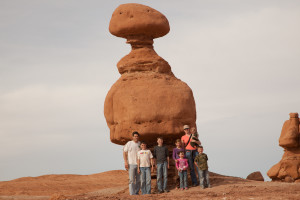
column 202, row 187
column 176, row 188
column 209, row 186
column 167, row 191
column 186, row 188
column 160, row 191
column 194, row 185
column 181, row 189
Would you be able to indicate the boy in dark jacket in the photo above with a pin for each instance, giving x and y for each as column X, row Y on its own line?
column 161, row 157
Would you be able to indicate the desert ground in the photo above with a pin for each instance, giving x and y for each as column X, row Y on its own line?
column 114, row 185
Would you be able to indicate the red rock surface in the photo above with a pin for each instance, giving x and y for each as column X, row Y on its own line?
column 114, row 185
column 255, row 176
column 147, row 98
column 288, row 169
column 65, row 184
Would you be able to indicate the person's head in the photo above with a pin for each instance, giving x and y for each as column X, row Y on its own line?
column 160, row 141
column 193, row 130
column 186, row 129
column 200, row 149
column 135, row 136
column 143, row 145
column 181, row 154
column 178, row 143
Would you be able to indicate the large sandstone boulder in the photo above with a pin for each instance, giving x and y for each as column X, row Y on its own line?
column 255, row 176
column 147, row 98
column 288, row 169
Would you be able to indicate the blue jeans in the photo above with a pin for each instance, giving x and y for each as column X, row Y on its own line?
column 183, row 178
column 145, row 180
column 190, row 155
column 162, row 171
column 134, row 180
column 203, row 177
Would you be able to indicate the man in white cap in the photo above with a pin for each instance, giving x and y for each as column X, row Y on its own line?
column 190, row 152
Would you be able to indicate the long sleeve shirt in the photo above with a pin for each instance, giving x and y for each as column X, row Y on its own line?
column 160, row 153
column 182, row 164
column 175, row 153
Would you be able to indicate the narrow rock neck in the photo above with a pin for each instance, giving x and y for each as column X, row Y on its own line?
column 143, row 58
column 137, row 42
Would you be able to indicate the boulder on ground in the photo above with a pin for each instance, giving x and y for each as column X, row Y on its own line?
column 255, row 176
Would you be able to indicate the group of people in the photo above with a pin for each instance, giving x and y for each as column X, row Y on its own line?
column 188, row 153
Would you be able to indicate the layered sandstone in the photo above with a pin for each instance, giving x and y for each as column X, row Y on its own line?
column 147, row 98
column 288, row 169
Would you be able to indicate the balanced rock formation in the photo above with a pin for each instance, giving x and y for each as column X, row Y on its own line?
column 147, row 98
column 255, row 176
column 288, row 169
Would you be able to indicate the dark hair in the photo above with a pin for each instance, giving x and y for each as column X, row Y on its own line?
column 160, row 138
column 143, row 143
column 135, row 133
column 201, row 147
column 178, row 140
column 180, row 152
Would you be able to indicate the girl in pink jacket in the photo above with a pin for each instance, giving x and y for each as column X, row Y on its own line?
column 182, row 165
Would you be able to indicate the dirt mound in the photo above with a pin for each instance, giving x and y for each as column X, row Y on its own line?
column 114, row 185
column 66, row 184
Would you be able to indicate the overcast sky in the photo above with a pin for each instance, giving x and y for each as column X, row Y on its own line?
column 58, row 61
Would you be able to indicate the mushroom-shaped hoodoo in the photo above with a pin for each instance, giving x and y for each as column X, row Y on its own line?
column 147, row 98
column 134, row 19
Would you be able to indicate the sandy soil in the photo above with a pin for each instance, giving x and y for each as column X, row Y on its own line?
column 114, row 185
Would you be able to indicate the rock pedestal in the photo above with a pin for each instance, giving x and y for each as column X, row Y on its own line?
column 147, row 98
column 288, row 169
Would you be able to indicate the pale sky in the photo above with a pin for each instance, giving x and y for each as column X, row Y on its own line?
column 58, row 61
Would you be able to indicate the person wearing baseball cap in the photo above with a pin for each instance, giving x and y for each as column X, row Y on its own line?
column 190, row 152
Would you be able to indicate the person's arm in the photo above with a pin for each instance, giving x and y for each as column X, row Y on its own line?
column 174, row 154
column 195, row 161
column 186, row 164
column 152, row 161
column 154, row 157
column 138, row 164
column 125, row 156
column 197, row 141
column 168, row 158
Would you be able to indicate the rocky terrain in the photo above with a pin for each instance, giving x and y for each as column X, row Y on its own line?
column 114, row 185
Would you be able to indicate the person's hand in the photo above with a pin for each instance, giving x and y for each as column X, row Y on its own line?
column 176, row 161
column 139, row 171
column 168, row 166
column 126, row 166
column 152, row 169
